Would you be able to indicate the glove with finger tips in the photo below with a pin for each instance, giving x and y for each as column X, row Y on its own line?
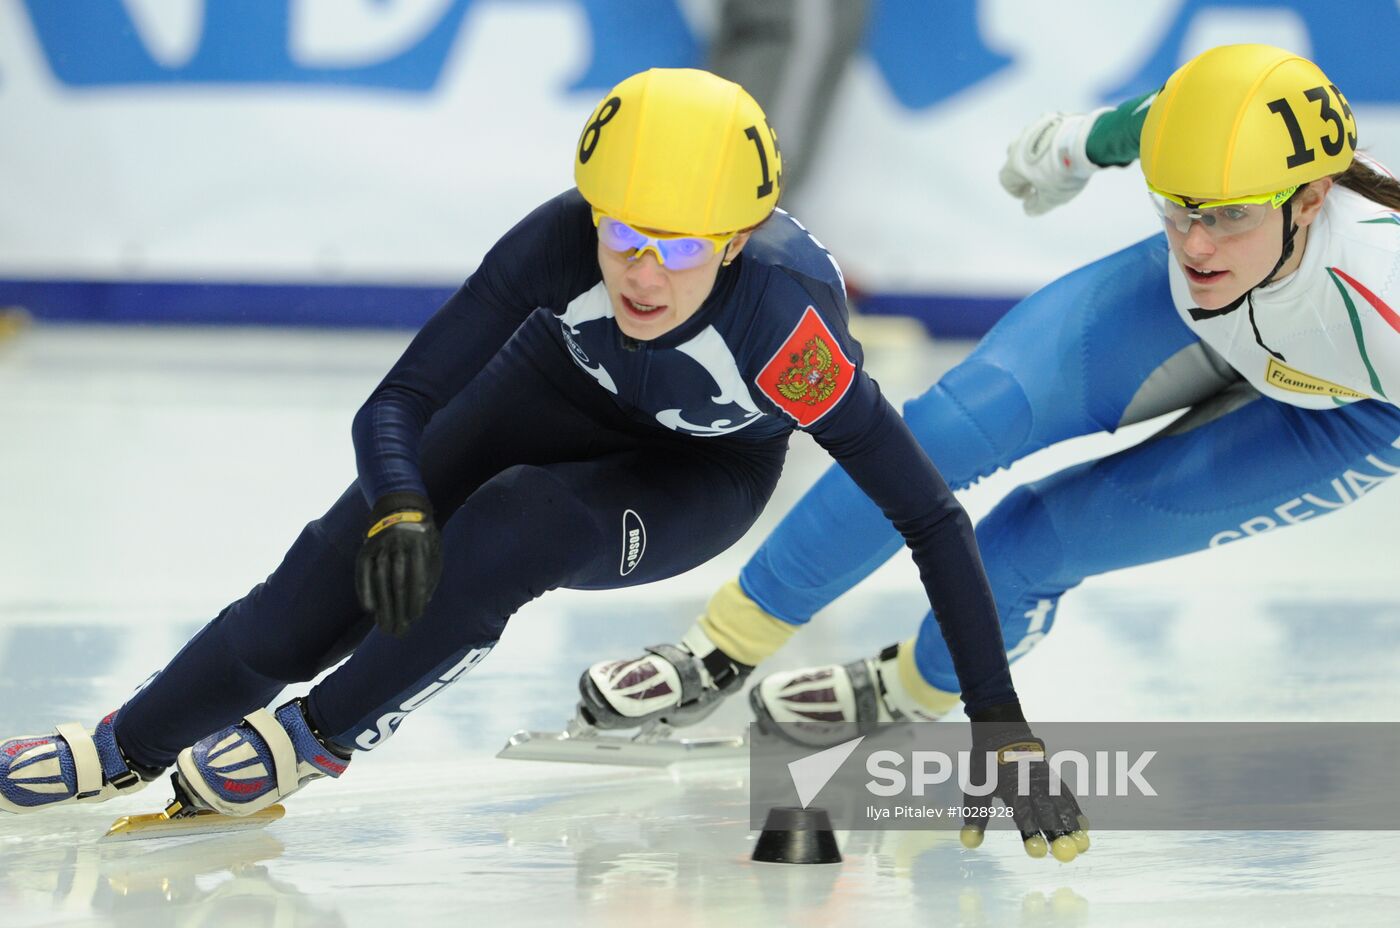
column 1047, row 166
column 1002, row 743
column 399, row 563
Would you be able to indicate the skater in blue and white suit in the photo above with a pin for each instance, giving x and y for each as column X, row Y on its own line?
column 1268, row 313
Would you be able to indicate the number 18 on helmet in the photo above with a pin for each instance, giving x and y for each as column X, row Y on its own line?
column 679, row 150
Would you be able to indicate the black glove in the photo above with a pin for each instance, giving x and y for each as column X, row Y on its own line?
column 1047, row 822
column 399, row 565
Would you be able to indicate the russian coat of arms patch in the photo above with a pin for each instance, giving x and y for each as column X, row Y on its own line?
column 810, row 373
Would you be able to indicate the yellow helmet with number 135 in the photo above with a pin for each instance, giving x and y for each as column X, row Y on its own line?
column 1245, row 121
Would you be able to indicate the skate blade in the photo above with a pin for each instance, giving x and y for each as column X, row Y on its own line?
column 621, row 750
column 167, row 825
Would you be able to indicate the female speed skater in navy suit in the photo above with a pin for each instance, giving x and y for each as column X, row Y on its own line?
column 605, row 402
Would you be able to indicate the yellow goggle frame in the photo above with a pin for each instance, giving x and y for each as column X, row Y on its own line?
column 1273, row 199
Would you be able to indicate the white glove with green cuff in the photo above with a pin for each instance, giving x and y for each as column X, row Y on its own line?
column 1047, row 165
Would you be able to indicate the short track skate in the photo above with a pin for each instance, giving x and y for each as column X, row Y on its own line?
column 651, row 746
column 181, row 819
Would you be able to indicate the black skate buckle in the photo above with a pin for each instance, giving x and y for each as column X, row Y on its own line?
column 725, row 675
column 121, row 781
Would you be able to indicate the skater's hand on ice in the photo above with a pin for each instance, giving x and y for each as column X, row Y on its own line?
column 399, row 565
column 1002, row 744
column 1046, row 165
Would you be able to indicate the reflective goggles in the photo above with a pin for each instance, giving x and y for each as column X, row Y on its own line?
column 674, row 252
column 1220, row 218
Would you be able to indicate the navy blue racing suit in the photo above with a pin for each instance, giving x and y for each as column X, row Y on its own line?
column 557, row 452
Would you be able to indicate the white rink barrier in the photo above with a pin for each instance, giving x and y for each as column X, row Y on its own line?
column 349, row 161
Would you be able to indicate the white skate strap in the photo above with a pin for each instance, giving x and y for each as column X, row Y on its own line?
column 85, row 760
column 284, row 754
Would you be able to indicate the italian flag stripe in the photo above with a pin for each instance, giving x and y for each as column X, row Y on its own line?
column 1334, row 273
column 1386, row 313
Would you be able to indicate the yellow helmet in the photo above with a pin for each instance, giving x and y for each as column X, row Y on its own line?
column 1245, row 121
column 679, row 150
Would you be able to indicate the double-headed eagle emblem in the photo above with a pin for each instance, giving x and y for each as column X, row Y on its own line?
column 812, row 378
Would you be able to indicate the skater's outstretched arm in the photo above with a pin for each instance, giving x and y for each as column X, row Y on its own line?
column 876, row 449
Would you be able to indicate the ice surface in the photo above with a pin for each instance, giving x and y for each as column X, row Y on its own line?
column 150, row 475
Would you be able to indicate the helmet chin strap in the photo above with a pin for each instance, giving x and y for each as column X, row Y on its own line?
column 1290, row 232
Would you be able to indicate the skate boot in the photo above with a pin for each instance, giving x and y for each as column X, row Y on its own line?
column 65, row 767
column 247, row 767
column 670, row 685
column 822, row 706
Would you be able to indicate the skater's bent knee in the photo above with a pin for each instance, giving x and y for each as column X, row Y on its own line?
column 343, row 526
column 977, row 408
column 527, row 488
